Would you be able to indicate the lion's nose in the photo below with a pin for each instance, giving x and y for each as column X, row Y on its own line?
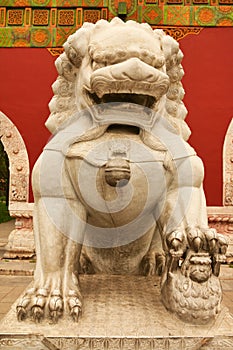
column 138, row 70
column 135, row 70
column 117, row 172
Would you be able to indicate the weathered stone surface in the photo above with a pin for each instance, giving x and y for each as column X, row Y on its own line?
column 119, row 313
column 118, row 190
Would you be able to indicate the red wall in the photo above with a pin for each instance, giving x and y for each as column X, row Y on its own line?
column 25, row 91
column 27, row 75
column 208, row 83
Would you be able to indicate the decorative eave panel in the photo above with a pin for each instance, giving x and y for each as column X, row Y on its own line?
column 47, row 23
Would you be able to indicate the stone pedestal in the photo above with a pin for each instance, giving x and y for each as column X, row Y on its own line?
column 120, row 312
column 221, row 218
column 21, row 242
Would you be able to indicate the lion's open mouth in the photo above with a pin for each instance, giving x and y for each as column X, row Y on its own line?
column 143, row 100
column 129, row 81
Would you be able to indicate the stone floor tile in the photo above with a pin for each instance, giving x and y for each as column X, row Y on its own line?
column 2, row 295
column 227, row 285
column 4, row 289
column 11, row 296
column 5, row 307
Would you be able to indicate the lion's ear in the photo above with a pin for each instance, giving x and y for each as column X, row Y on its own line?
column 76, row 46
column 63, row 104
column 73, row 55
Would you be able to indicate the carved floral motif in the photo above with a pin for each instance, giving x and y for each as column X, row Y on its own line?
column 221, row 219
column 18, row 160
column 15, row 17
column 40, row 17
column 21, row 240
column 179, row 33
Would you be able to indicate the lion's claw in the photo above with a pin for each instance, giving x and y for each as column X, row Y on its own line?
column 56, row 306
column 75, row 305
column 153, row 264
column 75, row 312
column 37, row 313
column 21, row 313
column 55, row 315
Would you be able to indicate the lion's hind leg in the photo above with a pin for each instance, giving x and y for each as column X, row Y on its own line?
column 154, row 260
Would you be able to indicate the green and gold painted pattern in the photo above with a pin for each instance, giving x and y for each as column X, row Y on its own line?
column 47, row 23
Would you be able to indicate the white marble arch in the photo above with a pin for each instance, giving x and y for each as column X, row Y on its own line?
column 228, row 167
column 20, row 242
column 221, row 218
column 18, row 160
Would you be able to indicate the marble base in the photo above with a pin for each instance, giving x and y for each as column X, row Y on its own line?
column 120, row 312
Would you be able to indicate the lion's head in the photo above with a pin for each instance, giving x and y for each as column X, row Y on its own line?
column 119, row 62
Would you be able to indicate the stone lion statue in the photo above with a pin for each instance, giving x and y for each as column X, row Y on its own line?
column 118, row 190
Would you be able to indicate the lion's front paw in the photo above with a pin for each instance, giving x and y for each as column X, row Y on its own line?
column 48, row 302
column 190, row 287
column 33, row 302
column 198, row 240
